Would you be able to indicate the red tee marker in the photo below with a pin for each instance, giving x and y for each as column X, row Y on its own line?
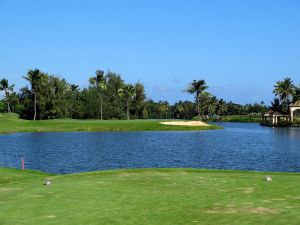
column 23, row 164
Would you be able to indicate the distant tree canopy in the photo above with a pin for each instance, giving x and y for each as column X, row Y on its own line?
column 108, row 96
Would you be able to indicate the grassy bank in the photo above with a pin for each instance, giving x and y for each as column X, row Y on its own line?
column 10, row 123
column 151, row 196
column 237, row 119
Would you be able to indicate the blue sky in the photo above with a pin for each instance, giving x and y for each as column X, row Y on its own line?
column 241, row 48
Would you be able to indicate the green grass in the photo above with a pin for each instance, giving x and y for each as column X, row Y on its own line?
column 149, row 196
column 10, row 123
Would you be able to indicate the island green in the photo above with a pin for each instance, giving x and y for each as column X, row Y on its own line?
column 10, row 123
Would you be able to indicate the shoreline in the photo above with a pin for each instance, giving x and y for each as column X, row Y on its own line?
column 165, row 169
column 63, row 130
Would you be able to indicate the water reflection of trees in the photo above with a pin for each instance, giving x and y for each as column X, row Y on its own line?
column 291, row 132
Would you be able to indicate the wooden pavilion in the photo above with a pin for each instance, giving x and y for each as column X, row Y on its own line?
column 275, row 118
column 280, row 118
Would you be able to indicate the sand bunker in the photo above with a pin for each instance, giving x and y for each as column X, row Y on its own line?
column 183, row 123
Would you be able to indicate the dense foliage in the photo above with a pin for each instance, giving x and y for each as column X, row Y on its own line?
column 109, row 97
column 287, row 93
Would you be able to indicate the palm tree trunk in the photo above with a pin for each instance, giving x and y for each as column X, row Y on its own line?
column 34, row 116
column 101, row 110
column 198, row 107
column 7, row 101
column 8, row 108
column 127, row 110
column 287, row 102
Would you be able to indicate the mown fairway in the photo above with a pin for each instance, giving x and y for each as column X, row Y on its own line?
column 151, row 196
column 10, row 123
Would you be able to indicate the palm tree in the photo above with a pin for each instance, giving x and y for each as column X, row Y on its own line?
column 296, row 96
column 14, row 101
column 99, row 83
column 222, row 107
column 34, row 78
column 4, row 86
column 74, row 88
column 164, row 108
column 127, row 92
column 212, row 104
column 73, row 104
column 197, row 88
column 275, row 105
column 284, row 89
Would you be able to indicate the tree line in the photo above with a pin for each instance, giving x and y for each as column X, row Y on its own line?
column 108, row 96
column 50, row 97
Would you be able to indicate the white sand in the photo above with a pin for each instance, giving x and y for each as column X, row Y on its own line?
column 183, row 123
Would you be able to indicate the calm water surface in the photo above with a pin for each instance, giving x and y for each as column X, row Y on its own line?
column 238, row 146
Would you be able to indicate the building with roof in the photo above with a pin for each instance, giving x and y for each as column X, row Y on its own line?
column 292, row 108
column 275, row 118
column 280, row 118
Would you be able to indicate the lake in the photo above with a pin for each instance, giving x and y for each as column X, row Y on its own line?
column 238, row 146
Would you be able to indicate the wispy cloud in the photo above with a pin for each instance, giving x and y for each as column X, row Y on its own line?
column 162, row 88
column 177, row 80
